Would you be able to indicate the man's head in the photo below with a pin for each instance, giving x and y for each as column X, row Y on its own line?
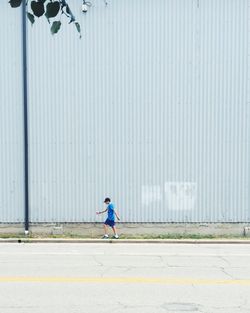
column 107, row 200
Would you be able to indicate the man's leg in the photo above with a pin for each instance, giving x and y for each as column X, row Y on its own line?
column 115, row 232
column 105, row 230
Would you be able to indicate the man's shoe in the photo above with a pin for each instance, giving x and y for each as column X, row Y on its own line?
column 115, row 237
column 105, row 237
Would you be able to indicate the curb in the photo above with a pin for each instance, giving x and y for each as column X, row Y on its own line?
column 125, row 241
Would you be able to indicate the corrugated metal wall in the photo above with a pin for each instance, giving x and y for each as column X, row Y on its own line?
column 11, row 116
column 151, row 108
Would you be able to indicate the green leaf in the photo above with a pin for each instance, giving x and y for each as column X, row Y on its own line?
column 37, row 8
column 47, row 18
column 78, row 27
column 52, row 9
column 70, row 14
column 68, row 9
column 55, row 27
column 72, row 19
column 31, row 18
column 15, row 3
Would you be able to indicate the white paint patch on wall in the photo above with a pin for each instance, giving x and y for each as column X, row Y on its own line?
column 150, row 194
column 181, row 195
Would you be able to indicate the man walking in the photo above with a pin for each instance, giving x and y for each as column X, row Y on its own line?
column 110, row 221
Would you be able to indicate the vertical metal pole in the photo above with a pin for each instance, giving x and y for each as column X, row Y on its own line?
column 25, row 119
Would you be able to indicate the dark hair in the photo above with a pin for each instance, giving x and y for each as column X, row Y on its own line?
column 107, row 200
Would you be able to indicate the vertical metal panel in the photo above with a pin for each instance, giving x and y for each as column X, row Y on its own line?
column 11, row 116
column 151, row 108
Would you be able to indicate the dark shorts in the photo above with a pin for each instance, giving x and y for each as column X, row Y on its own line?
column 109, row 222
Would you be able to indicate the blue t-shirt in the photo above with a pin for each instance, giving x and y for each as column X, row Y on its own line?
column 111, row 212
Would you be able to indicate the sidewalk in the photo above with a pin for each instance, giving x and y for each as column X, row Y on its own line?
column 126, row 241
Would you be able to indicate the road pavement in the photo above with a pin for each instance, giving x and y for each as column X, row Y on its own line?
column 124, row 278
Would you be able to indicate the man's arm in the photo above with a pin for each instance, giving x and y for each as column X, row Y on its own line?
column 102, row 211
column 116, row 214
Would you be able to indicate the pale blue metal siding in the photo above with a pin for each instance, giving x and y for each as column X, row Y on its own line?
column 11, row 116
column 151, row 108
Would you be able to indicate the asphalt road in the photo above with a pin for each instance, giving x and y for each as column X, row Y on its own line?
column 124, row 278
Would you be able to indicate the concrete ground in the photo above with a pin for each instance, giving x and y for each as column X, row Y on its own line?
column 124, row 278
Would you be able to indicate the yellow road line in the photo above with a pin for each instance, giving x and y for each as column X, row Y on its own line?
column 126, row 280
